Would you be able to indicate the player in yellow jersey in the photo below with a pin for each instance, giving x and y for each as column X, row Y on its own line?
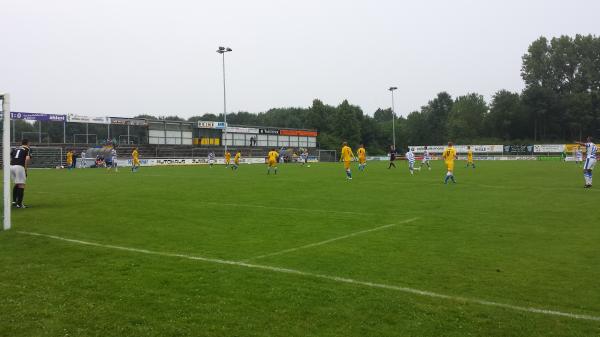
column 135, row 160
column 470, row 161
column 227, row 159
column 272, row 159
column 449, row 156
column 69, row 160
column 362, row 157
column 236, row 160
column 347, row 156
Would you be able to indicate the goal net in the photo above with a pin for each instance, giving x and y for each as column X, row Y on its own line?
column 327, row 156
column 47, row 157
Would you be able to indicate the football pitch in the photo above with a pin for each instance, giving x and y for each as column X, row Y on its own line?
column 512, row 249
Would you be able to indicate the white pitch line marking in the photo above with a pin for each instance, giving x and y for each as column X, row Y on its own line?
column 289, row 250
column 331, row 278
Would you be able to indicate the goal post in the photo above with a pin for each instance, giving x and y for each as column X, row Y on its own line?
column 6, row 159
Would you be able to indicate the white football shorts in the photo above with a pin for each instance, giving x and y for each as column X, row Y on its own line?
column 17, row 174
column 589, row 164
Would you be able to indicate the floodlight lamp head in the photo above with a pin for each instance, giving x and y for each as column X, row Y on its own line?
column 221, row 48
column 392, row 88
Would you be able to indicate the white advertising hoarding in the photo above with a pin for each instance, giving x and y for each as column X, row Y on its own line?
column 236, row 129
column 211, row 125
column 74, row 118
column 185, row 161
column 460, row 148
column 549, row 148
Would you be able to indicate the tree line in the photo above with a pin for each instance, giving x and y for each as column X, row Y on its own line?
column 560, row 103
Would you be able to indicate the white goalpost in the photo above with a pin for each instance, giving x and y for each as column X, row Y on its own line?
column 6, row 158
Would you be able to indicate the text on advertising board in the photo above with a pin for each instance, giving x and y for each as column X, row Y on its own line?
column 268, row 131
column 298, row 133
column 29, row 116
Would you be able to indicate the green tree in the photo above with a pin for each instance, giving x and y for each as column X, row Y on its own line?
column 506, row 119
column 466, row 118
column 436, row 113
column 347, row 123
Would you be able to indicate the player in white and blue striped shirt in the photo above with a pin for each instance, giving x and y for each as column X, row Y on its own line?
column 426, row 158
column 211, row 158
column 590, row 161
column 410, row 156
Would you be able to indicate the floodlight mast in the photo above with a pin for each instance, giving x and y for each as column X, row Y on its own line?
column 222, row 51
column 6, row 159
column 391, row 89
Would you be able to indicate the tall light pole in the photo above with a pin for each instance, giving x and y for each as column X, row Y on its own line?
column 391, row 89
column 222, row 51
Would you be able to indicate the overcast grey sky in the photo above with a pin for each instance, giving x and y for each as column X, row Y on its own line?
column 122, row 58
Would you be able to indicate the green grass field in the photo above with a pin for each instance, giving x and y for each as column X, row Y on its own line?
column 199, row 251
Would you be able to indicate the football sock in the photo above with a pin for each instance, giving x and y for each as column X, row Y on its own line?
column 15, row 193
column 20, row 194
column 588, row 177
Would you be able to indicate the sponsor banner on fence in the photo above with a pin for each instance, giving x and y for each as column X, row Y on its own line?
column 460, row 148
column 430, row 148
column 38, row 116
column 185, row 161
column 508, row 158
column 377, row 158
column 30, row 116
column 549, row 148
column 211, row 125
column 304, row 133
column 268, row 131
column 570, row 148
column 74, row 118
column 128, row 121
column 480, row 148
column 518, row 149
column 477, row 158
column 237, row 129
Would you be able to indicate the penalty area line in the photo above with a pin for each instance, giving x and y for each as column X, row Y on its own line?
column 310, row 245
column 408, row 290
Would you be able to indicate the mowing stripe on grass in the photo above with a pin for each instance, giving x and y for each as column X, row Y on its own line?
column 330, row 278
column 289, row 250
column 282, row 208
column 250, row 205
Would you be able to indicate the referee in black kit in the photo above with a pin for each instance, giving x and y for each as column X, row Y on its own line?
column 19, row 159
column 392, row 157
